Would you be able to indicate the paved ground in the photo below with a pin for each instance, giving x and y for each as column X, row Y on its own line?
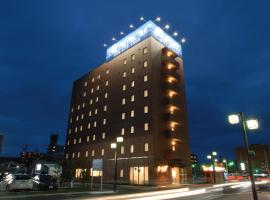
column 237, row 191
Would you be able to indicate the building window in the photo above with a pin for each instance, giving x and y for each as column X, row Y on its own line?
column 94, row 137
column 92, row 90
column 124, row 87
column 125, row 61
column 67, row 156
column 146, row 126
column 77, row 118
column 145, row 109
column 107, row 71
column 122, row 149
column 96, row 99
column 145, row 64
column 173, row 148
column 95, row 124
column 132, row 129
column 132, row 98
column 133, row 57
column 132, row 148
column 93, row 153
column 80, row 140
column 98, row 76
column 84, row 94
column 121, row 173
column 145, row 50
column 97, row 87
column 93, row 80
column 107, row 83
column 123, row 101
column 83, row 105
column 69, row 131
column 90, row 113
column 102, row 152
column 89, row 125
column 78, row 155
column 104, row 121
column 103, row 135
column 87, row 138
column 91, row 102
column 68, row 142
column 105, row 108
column 76, row 129
column 145, row 78
column 132, row 83
column 96, row 111
column 73, row 155
column 133, row 70
column 146, row 147
column 86, row 154
column 78, row 107
column 106, row 95
column 132, row 114
column 81, row 128
column 124, row 74
column 122, row 131
column 82, row 116
column 70, row 121
column 123, row 116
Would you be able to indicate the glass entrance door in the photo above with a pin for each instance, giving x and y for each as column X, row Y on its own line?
column 138, row 175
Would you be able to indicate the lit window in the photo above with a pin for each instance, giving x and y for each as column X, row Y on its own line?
column 96, row 99
column 173, row 148
column 104, row 121
column 74, row 141
column 73, row 155
column 93, row 80
column 103, row 135
column 125, row 61
column 121, row 173
column 83, row 105
column 77, row 118
column 91, row 102
column 69, row 131
column 92, row 90
column 82, row 116
column 146, row 147
column 81, row 128
column 107, row 71
column 78, row 107
column 133, row 57
column 102, row 152
column 133, row 70
column 93, row 153
column 80, row 140
column 132, row 129
column 88, row 138
column 124, row 74
column 132, row 83
column 122, row 149
column 105, row 108
column 95, row 124
column 70, row 121
column 145, row 64
column 145, row 78
column 132, row 98
column 122, row 131
column 78, row 155
column 84, row 94
column 123, row 101
column 72, row 109
column 98, row 76
column 76, row 129
column 90, row 113
column 68, row 142
column 131, row 148
column 67, row 156
column 132, row 113
column 107, row 83
column 145, row 50
column 96, row 111
column 123, row 116
column 94, row 137
column 89, row 125
column 86, row 154
column 106, row 95
column 97, row 87
column 145, row 109
column 146, row 126
column 124, row 87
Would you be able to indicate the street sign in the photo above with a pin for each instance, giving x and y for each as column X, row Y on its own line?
column 97, row 164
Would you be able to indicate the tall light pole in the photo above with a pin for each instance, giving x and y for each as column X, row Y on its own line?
column 114, row 146
column 213, row 160
column 251, row 125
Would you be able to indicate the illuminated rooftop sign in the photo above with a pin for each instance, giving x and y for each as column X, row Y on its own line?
column 141, row 33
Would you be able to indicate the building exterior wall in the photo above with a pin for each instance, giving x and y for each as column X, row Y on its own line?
column 168, row 150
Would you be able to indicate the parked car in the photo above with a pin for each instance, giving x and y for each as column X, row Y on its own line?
column 18, row 182
column 44, row 182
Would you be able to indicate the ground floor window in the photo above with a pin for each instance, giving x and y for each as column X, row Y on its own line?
column 138, row 175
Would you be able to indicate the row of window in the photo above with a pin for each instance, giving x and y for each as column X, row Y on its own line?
column 145, row 51
column 102, row 153
column 132, row 113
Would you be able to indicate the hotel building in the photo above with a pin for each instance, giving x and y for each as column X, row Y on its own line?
column 139, row 94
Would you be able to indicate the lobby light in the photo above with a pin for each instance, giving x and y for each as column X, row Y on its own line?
column 234, row 119
column 252, row 124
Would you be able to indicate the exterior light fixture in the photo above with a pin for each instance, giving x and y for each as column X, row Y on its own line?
column 173, row 142
column 209, row 157
column 131, row 26
column 113, row 39
column 121, row 33
column 141, row 18
column 214, row 153
column 225, row 161
column 183, row 40
column 243, row 166
column 234, row 119
column 252, row 124
column 38, row 167
column 113, row 145
column 105, row 45
column 158, row 19
column 175, row 34
column 167, row 26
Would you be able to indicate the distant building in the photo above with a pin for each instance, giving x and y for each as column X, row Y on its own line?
column 260, row 160
column 194, row 159
column 139, row 94
column 55, row 151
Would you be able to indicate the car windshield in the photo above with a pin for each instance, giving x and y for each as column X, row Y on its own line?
column 22, row 177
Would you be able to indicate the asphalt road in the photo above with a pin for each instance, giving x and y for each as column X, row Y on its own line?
column 235, row 192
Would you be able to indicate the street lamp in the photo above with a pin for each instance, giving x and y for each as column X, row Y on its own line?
column 213, row 160
column 114, row 146
column 251, row 125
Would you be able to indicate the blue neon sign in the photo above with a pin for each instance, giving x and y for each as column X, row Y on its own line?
column 141, row 33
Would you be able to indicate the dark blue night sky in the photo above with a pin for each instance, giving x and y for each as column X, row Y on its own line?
column 45, row 45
